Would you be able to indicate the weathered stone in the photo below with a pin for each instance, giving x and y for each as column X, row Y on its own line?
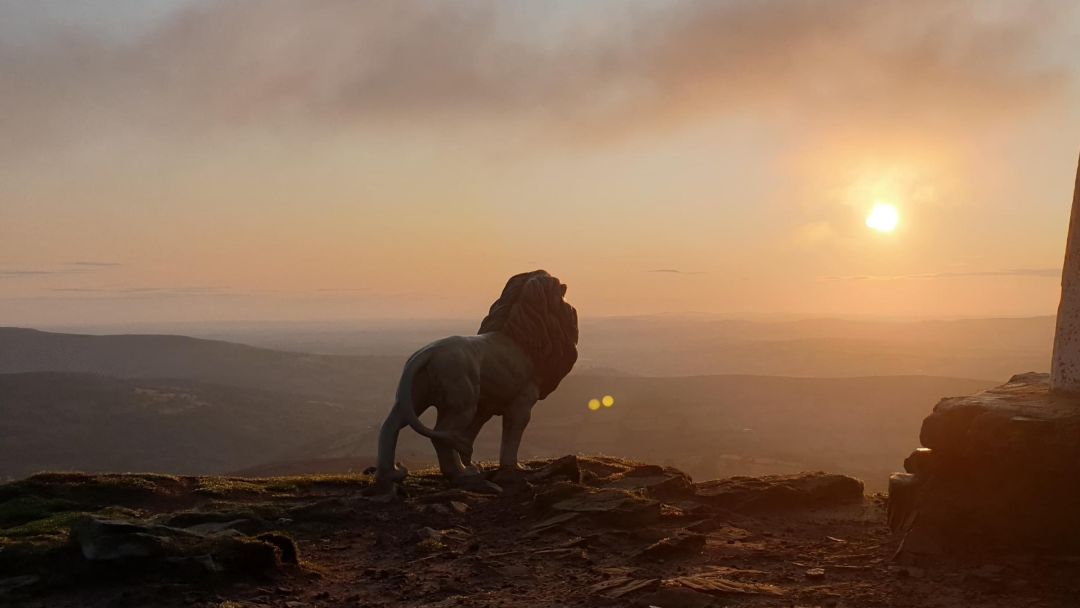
column 613, row 507
column 236, row 526
column 1002, row 471
column 716, row 583
column 564, row 555
column 105, row 540
column 706, row 525
column 920, row 462
column 903, row 500
column 147, row 545
column 1015, row 426
column 677, row 597
column 290, row 554
column 556, row 493
column 682, row 543
column 443, row 536
column 566, row 467
column 622, row 586
column 657, row 481
column 555, row 521
column 478, row 485
column 771, row 492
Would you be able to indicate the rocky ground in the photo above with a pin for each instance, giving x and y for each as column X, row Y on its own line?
column 577, row 531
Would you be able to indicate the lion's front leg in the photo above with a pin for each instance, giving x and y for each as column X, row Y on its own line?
column 515, row 419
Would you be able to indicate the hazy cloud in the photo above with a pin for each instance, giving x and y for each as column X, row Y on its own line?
column 1016, row 272
column 333, row 63
column 676, row 271
column 133, row 292
column 129, row 293
column 15, row 274
column 66, row 269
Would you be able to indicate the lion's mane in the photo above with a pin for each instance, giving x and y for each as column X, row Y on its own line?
column 533, row 313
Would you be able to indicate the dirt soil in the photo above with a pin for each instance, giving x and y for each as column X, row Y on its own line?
column 623, row 535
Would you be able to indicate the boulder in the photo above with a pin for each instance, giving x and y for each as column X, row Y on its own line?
column 777, row 492
column 106, row 540
column 136, row 547
column 999, row 469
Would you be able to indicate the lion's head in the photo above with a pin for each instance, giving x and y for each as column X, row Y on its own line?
column 533, row 313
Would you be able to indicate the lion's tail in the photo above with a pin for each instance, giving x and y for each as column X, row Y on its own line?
column 407, row 408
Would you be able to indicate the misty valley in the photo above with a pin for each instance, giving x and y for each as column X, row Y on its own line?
column 716, row 397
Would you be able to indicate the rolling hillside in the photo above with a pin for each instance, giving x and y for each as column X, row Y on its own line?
column 354, row 379
column 68, row 421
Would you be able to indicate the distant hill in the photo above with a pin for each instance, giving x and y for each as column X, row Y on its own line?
column 714, row 426
column 991, row 349
column 178, row 404
column 695, row 345
column 67, row 421
column 355, row 379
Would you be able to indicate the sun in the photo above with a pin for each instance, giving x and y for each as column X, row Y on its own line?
column 883, row 217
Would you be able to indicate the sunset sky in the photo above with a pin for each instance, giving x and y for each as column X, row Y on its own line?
column 190, row 160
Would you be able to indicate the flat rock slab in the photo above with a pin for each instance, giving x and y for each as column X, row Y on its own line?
column 622, row 586
column 614, row 507
column 657, row 481
column 566, row 467
column 716, row 583
column 1020, row 423
column 680, row 544
column 777, row 492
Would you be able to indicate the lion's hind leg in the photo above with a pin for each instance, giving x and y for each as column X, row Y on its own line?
column 471, row 432
column 455, row 419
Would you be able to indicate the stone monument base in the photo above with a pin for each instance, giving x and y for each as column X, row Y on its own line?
column 999, row 470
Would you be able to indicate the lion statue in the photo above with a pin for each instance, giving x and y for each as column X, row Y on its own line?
column 525, row 346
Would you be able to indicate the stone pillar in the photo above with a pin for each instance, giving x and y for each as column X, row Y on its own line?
column 1065, row 366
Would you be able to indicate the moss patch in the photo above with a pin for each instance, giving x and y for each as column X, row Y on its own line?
column 94, row 490
column 56, row 526
column 227, row 486
column 22, row 509
column 298, row 483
